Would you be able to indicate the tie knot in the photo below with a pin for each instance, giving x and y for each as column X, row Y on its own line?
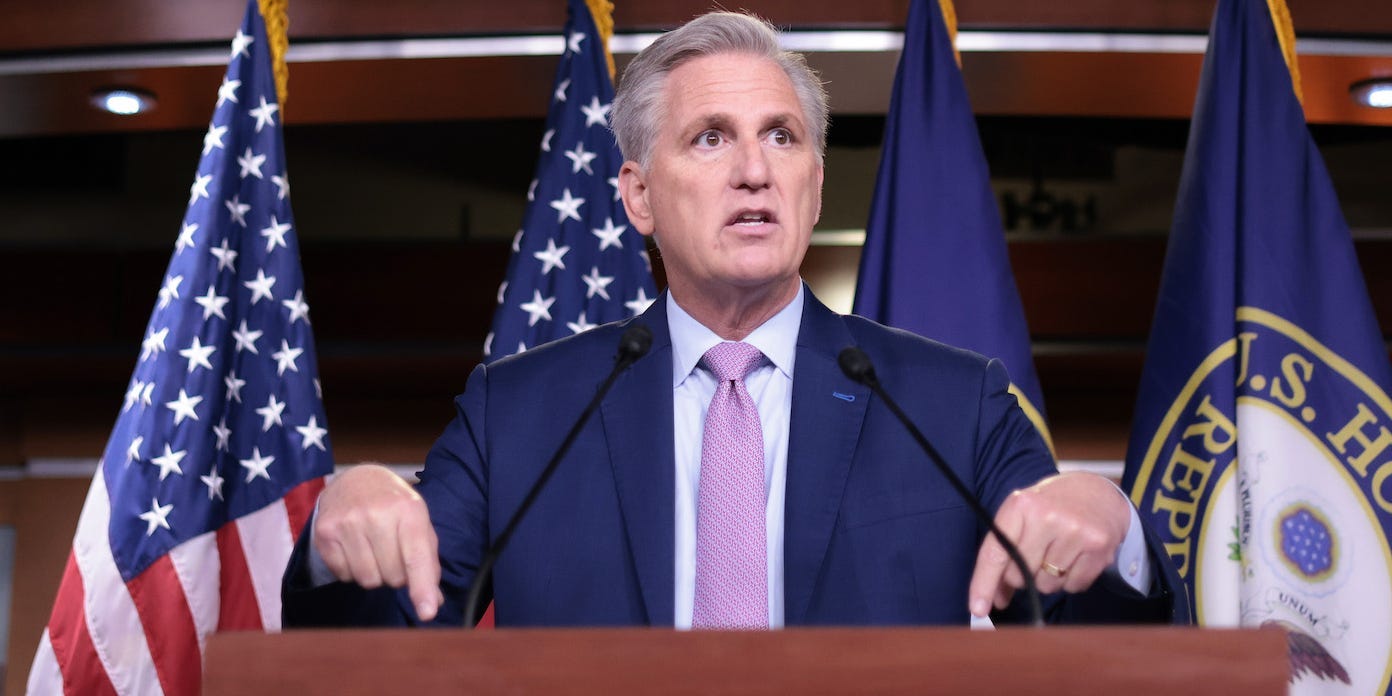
column 732, row 361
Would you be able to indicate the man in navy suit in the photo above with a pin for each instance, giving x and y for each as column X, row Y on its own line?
column 723, row 134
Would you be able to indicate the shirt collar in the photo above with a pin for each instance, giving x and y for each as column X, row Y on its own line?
column 776, row 338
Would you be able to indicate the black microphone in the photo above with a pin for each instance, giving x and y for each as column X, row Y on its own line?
column 633, row 344
column 856, row 364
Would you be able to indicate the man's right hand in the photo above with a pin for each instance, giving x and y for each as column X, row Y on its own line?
column 372, row 528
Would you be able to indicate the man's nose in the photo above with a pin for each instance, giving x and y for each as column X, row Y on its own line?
column 751, row 168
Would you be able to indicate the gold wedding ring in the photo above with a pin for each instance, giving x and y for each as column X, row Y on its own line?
column 1053, row 570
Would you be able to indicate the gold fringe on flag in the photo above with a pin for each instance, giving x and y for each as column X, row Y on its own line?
column 1285, row 32
column 949, row 14
column 277, row 17
column 603, row 13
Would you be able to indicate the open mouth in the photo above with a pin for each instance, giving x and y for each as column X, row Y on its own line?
column 752, row 217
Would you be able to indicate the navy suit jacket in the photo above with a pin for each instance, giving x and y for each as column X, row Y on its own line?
column 873, row 534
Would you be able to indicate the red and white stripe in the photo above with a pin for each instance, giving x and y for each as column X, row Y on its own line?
column 147, row 636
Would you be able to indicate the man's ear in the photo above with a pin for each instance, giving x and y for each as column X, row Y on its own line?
column 821, row 173
column 634, row 192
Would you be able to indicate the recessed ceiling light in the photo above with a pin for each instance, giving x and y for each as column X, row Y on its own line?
column 1375, row 93
column 123, row 101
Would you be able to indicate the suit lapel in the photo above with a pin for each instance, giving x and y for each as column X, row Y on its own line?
column 828, row 411
column 637, row 417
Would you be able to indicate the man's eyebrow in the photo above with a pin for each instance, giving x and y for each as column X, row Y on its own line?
column 711, row 121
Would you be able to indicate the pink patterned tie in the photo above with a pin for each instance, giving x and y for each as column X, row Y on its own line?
column 731, row 545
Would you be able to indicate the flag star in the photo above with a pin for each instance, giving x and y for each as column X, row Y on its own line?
column 298, row 308
column 640, row 303
column 312, row 433
column 580, row 159
column 213, row 138
column 223, row 433
column 212, row 303
column 240, row 43
column 647, row 260
column 546, row 140
column 153, row 343
column 237, row 209
column 282, row 183
column 234, row 386
column 197, row 355
column 251, row 164
column 595, row 284
column 581, row 325
column 145, row 395
column 261, row 287
column 183, row 406
column 227, row 93
column 199, row 189
column 264, row 114
column 133, row 452
column 214, row 484
column 318, row 390
column 275, row 234
column 157, row 516
column 502, row 291
column 226, row 256
column 539, row 308
column 561, row 90
column 169, row 461
column 567, row 207
column 609, row 236
column 521, row 347
column 573, row 43
column 271, row 413
column 285, row 358
column 170, row 291
column 614, row 181
column 551, row 257
column 246, row 340
column 531, row 192
column 133, row 394
column 488, row 344
column 185, row 238
column 596, row 113
column 517, row 242
column 257, row 465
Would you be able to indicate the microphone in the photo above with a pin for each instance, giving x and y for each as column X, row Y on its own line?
column 633, row 344
column 857, row 366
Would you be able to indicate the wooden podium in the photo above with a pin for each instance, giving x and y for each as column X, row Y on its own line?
column 1122, row 661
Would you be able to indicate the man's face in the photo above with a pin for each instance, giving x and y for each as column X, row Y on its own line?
column 734, row 185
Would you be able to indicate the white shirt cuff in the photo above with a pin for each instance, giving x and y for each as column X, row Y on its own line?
column 1132, row 563
column 319, row 573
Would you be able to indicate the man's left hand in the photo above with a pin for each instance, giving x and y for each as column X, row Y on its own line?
column 1068, row 528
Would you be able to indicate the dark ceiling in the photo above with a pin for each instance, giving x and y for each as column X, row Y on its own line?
column 53, row 55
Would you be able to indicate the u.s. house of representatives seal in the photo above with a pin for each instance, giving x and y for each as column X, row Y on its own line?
column 1270, row 482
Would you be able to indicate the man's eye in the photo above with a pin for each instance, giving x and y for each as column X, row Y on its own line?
column 709, row 139
column 781, row 136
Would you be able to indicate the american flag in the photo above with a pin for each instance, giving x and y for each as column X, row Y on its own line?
column 220, row 447
column 576, row 263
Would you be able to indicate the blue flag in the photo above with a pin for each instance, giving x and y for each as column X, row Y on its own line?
column 935, row 260
column 576, row 263
column 1261, row 449
column 220, row 445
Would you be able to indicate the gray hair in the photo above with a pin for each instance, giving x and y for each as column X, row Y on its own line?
column 638, row 104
